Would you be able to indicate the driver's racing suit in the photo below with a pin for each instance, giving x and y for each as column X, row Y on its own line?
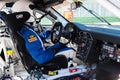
column 34, row 45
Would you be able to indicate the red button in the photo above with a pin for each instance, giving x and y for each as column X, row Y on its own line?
column 73, row 70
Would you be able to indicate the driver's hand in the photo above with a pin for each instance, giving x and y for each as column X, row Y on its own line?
column 48, row 31
column 45, row 34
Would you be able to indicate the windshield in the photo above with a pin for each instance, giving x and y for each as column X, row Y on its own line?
column 81, row 15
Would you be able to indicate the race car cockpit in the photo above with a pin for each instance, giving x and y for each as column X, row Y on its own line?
column 92, row 51
column 16, row 23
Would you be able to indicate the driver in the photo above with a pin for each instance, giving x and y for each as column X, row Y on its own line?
column 34, row 45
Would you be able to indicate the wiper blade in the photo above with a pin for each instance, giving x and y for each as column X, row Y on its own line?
column 93, row 13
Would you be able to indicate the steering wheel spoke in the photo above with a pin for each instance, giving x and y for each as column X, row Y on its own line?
column 56, row 32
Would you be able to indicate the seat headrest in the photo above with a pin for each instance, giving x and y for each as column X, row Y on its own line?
column 16, row 20
column 21, row 17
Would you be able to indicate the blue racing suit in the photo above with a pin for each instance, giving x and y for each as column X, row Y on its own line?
column 35, row 47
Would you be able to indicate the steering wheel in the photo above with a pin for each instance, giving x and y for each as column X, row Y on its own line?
column 56, row 32
column 57, row 35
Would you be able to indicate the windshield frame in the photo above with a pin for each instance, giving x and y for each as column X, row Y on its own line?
column 102, row 20
column 60, row 18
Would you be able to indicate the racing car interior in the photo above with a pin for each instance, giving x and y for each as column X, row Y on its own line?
column 97, row 48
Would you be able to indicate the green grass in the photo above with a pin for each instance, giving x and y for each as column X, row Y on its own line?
column 94, row 20
column 85, row 20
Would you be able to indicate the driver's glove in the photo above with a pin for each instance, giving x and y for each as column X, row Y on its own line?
column 45, row 34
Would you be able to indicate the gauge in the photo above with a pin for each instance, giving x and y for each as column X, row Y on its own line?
column 69, row 28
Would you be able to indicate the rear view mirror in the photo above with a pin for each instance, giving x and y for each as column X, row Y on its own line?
column 76, row 4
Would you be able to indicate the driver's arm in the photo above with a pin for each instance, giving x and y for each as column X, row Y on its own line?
column 45, row 34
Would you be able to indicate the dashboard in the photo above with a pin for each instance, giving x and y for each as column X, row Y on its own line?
column 84, row 41
column 95, row 44
column 100, row 45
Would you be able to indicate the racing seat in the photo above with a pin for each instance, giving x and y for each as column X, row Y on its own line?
column 14, row 22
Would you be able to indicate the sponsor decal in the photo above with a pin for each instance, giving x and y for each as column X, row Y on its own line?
column 19, row 16
column 32, row 38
